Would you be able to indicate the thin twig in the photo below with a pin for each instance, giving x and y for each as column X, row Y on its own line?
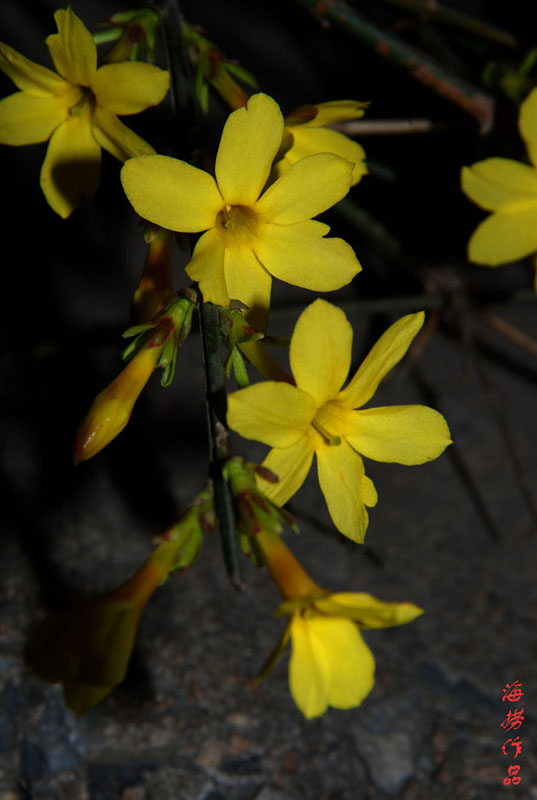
column 210, row 328
column 451, row 16
column 384, row 127
column 509, row 331
column 211, row 335
column 401, row 54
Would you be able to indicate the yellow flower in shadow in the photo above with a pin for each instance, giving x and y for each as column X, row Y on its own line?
column 508, row 189
column 87, row 649
column 76, row 107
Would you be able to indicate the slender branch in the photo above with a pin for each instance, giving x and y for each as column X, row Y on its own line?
column 451, row 16
column 181, row 87
column 401, row 54
column 211, row 336
column 383, row 127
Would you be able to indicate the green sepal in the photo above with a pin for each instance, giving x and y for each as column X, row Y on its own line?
column 274, row 656
column 201, row 88
column 254, row 511
column 236, row 330
column 106, row 36
column 241, row 73
column 146, row 18
column 170, row 328
column 181, row 544
column 236, row 364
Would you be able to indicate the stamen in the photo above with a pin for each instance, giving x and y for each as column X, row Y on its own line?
column 331, row 440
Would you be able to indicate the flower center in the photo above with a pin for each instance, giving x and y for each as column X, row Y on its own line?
column 331, row 422
column 239, row 223
column 87, row 96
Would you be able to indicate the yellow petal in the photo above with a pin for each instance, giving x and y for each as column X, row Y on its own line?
column 320, row 350
column 299, row 255
column 341, row 471
column 291, row 465
column 504, row 237
column 399, row 434
column 271, row 412
column 116, row 138
column 383, row 356
column 207, row 268
column 330, row 665
column 310, row 187
column 367, row 611
column 250, row 141
column 308, row 669
column 249, row 282
column 308, row 140
column 336, row 111
column 28, row 76
column 72, row 49
column 27, row 119
column 71, row 168
column 351, row 662
column 498, row 184
column 171, row 193
column 130, row 86
column 368, row 493
column 527, row 124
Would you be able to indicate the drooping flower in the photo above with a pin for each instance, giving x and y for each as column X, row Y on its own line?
column 251, row 235
column 317, row 416
column 75, row 107
column 330, row 664
column 509, row 189
column 87, row 649
column 307, row 132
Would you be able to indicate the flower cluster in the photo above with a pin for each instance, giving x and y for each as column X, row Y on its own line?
column 255, row 216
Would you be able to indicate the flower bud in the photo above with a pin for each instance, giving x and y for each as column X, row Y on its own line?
column 111, row 409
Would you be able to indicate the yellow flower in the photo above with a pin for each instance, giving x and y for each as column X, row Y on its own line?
column 308, row 134
column 508, row 189
column 330, row 664
column 317, row 417
column 249, row 236
column 76, row 109
column 88, row 648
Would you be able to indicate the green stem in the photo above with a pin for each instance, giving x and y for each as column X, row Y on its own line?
column 450, row 16
column 211, row 335
column 181, row 86
column 399, row 53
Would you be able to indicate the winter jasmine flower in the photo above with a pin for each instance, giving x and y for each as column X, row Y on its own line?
column 317, row 417
column 330, row 663
column 250, row 234
column 307, row 132
column 508, row 189
column 76, row 108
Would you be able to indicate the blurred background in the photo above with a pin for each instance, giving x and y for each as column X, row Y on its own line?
column 457, row 536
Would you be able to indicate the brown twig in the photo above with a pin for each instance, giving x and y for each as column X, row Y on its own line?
column 398, row 52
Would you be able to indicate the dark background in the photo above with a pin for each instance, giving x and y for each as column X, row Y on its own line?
column 456, row 536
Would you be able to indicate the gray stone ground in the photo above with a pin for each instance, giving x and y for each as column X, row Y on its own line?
column 454, row 536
